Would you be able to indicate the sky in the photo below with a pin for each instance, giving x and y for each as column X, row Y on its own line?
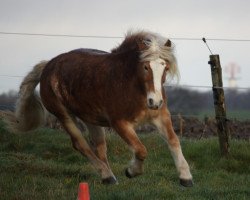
column 213, row 19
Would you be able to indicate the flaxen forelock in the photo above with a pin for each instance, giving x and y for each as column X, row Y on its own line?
column 158, row 49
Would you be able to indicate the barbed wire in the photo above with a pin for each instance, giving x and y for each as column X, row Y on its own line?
column 167, row 85
column 11, row 76
column 5, row 107
column 61, row 35
column 206, row 87
column 116, row 37
column 119, row 37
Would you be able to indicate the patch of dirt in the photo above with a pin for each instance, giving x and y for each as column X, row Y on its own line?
column 189, row 127
column 195, row 128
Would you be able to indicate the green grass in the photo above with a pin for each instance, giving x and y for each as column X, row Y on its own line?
column 43, row 165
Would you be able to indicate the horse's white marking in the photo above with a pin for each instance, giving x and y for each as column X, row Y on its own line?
column 181, row 164
column 176, row 152
column 158, row 67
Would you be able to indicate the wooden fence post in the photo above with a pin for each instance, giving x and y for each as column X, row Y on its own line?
column 219, row 104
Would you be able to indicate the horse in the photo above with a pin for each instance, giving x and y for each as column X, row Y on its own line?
column 120, row 89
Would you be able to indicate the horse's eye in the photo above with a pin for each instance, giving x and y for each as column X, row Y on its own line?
column 146, row 68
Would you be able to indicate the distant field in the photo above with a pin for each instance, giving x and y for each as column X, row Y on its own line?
column 235, row 114
column 43, row 165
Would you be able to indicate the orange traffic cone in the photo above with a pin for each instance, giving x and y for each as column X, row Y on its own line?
column 83, row 192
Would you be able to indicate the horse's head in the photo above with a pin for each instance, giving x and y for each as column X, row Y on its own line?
column 155, row 75
column 157, row 60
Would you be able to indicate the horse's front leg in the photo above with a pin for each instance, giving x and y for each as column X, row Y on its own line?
column 164, row 124
column 128, row 134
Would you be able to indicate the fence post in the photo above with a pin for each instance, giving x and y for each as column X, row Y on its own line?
column 219, row 104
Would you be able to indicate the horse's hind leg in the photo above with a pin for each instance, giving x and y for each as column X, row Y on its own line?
column 98, row 142
column 164, row 124
column 81, row 145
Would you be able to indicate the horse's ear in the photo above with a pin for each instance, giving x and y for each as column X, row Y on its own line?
column 168, row 43
column 142, row 44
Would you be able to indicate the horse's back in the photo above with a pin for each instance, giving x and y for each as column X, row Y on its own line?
column 75, row 61
column 90, row 51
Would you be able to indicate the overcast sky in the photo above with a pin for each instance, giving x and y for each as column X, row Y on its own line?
column 224, row 19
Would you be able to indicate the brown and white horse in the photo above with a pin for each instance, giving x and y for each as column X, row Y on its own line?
column 121, row 89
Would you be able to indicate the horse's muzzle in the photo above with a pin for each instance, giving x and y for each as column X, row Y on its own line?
column 152, row 104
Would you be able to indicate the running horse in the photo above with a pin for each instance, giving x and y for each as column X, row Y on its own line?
column 121, row 89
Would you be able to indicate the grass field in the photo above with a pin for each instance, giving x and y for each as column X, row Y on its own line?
column 240, row 115
column 43, row 165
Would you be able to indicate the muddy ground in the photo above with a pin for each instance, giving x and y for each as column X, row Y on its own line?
column 195, row 128
column 189, row 127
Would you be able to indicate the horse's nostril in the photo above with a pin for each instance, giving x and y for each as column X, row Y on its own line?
column 160, row 103
column 150, row 101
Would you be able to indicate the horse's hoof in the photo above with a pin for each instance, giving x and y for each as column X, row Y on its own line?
column 128, row 174
column 186, row 183
column 109, row 181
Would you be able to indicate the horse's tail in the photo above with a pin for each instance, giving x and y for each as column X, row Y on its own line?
column 30, row 112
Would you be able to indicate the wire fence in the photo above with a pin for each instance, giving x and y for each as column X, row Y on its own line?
column 165, row 85
column 116, row 37
column 185, row 86
column 207, row 109
column 205, row 113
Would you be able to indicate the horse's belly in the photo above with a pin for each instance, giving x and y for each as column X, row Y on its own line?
column 99, row 120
